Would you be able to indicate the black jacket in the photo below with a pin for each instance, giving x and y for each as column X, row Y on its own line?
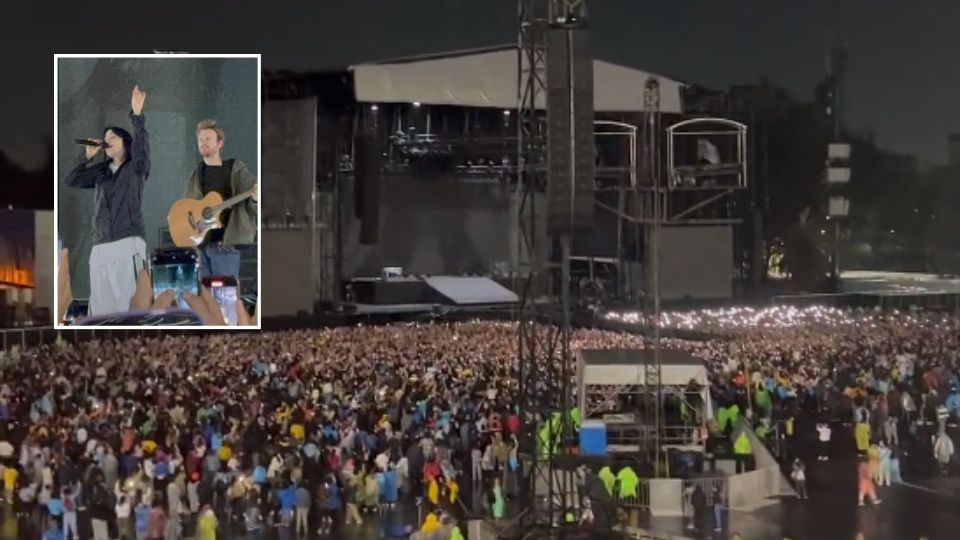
column 118, row 197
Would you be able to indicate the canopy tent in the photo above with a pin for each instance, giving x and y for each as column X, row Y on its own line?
column 597, row 369
column 488, row 78
column 624, row 366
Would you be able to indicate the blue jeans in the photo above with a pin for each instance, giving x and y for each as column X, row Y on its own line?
column 217, row 260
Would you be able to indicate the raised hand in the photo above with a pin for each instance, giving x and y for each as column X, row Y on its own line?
column 93, row 150
column 136, row 100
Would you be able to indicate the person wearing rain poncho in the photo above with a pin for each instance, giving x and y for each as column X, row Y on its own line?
column 207, row 525
column 885, row 465
column 861, row 434
column 865, row 485
column 498, row 506
column 742, row 450
column 943, row 451
column 606, row 476
column 873, row 459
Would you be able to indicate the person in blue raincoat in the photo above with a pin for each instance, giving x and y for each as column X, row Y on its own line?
column 953, row 401
column 895, row 476
column 885, row 466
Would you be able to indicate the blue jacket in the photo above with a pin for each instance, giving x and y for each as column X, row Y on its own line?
column 287, row 497
column 259, row 475
column 141, row 516
column 333, row 497
column 389, row 488
column 55, row 506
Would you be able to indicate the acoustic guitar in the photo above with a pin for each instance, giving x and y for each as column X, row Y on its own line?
column 190, row 220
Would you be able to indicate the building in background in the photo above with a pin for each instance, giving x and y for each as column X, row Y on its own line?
column 26, row 267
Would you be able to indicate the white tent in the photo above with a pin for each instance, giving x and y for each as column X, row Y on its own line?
column 488, row 78
column 627, row 368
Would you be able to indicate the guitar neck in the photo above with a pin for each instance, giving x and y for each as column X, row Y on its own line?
column 232, row 201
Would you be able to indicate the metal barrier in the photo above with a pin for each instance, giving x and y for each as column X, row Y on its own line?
column 708, row 485
column 640, row 501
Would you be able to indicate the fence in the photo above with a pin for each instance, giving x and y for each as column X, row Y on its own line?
column 640, row 501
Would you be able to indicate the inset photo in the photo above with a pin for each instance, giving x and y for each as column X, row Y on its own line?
column 157, row 194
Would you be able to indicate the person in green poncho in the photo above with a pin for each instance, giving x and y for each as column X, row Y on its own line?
column 628, row 481
column 498, row 506
column 609, row 480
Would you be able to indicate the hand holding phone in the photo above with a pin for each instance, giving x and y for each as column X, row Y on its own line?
column 174, row 270
column 224, row 290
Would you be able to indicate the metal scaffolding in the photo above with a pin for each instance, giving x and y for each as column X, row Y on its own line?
column 544, row 356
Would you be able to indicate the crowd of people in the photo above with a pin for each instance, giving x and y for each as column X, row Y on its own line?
column 318, row 430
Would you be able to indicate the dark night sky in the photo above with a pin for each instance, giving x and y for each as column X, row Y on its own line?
column 905, row 56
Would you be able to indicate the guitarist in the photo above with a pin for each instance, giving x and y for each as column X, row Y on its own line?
column 228, row 177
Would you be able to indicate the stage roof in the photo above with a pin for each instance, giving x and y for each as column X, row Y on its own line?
column 488, row 78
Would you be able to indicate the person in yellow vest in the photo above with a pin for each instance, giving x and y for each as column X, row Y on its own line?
column 862, row 435
column 742, row 451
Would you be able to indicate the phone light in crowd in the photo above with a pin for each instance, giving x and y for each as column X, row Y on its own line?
column 741, row 318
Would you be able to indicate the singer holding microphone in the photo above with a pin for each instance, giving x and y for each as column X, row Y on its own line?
column 118, row 227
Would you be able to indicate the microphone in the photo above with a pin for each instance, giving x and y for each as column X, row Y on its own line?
column 91, row 142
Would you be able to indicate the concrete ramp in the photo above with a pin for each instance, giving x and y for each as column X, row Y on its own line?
column 471, row 291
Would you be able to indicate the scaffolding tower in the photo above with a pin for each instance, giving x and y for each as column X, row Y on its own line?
column 543, row 315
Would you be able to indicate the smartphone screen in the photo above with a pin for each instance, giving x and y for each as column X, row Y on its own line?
column 175, row 270
column 224, row 291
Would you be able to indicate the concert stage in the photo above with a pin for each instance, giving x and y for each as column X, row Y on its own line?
column 437, row 294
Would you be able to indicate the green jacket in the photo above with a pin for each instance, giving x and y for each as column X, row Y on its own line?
column 242, row 228
column 741, row 445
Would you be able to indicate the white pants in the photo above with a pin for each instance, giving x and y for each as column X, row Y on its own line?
column 70, row 526
column 100, row 530
column 113, row 279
